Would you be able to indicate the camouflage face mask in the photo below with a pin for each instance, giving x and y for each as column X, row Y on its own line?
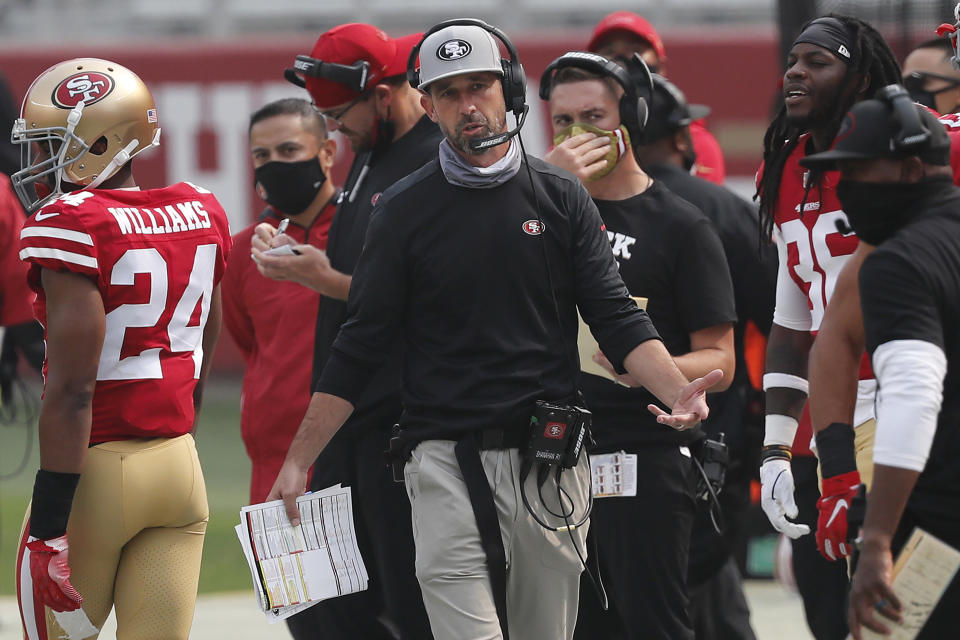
column 619, row 143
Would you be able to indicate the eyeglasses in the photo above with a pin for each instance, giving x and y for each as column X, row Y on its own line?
column 336, row 117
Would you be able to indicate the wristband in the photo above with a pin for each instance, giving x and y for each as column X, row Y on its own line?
column 52, row 500
column 775, row 452
column 779, row 429
column 836, row 450
column 785, row 381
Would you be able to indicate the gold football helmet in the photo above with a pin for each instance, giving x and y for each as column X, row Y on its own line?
column 81, row 121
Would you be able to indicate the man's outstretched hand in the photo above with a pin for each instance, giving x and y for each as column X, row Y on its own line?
column 691, row 405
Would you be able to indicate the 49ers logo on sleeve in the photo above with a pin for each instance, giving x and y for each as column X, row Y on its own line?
column 555, row 430
column 533, row 227
column 86, row 86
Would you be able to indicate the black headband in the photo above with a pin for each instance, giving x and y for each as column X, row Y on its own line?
column 832, row 35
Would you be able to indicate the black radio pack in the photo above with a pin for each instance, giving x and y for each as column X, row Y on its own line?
column 557, row 433
column 713, row 462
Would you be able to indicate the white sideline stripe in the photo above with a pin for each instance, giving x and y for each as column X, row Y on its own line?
column 56, row 232
column 26, row 598
column 59, row 254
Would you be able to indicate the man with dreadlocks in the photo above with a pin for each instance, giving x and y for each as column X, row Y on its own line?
column 834, row 62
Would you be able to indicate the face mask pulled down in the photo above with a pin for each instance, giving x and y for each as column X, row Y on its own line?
column 619, row 143
column 289, row 187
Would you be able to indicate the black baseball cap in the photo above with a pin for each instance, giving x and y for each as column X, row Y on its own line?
column 669, row 110
column 869, row 130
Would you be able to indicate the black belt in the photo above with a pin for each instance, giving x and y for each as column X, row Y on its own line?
column 401, row 445
column 503, row 439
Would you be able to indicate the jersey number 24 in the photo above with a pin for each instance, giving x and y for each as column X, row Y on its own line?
column 183, row 336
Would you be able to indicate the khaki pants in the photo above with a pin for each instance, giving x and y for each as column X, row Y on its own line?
column 864, row 436
column 543, row 568
column 136, row 536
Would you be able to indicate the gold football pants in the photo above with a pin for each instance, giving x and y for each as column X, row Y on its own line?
column 136, row 536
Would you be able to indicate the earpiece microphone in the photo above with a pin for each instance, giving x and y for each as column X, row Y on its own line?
column 492, row 141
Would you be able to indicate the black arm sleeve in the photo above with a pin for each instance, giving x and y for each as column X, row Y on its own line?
column 374, row 312
column 604, row 302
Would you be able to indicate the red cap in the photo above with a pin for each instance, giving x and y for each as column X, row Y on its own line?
column 349, row 43
column 631, row 23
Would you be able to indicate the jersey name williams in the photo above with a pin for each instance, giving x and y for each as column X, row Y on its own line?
column 183, row 216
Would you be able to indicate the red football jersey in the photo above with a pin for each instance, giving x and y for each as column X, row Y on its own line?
column 156, row 256
column 812, row 252
column 815, row 250
column 951, row 123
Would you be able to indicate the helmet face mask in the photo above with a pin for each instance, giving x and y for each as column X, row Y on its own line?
column 82, row 120
column 43, row 156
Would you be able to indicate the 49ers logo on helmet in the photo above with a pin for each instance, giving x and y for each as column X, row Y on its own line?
column 86, row 86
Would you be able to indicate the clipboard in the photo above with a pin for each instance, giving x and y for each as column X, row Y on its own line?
column 587, row 345
column 922, row 572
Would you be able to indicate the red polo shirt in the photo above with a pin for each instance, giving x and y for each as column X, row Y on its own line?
column 273, row 323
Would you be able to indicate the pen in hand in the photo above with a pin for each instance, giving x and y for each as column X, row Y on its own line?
column 284, row 249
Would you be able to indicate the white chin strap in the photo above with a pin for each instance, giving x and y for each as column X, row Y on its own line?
column 123, row 157
column 73, row 119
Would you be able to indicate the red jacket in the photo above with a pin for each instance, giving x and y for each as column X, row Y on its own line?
column 16, row 298
column 273, row 323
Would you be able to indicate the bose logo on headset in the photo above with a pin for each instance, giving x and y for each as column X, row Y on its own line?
column 912, row 132
column 593, row 57
column 915, row 139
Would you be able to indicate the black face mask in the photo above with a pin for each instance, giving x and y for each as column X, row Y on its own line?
column 926, row 98
column 914, row 85
column 290, row 187
column 876, row 210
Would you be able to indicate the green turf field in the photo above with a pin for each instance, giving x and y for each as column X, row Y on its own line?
column 226, row 469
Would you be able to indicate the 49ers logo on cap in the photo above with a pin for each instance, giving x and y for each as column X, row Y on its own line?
column 454, row 50
column 555, row 430
column 86, row 86
column 533, row 227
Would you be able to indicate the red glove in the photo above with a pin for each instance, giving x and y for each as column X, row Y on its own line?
column 838, row 494
column 51, row 575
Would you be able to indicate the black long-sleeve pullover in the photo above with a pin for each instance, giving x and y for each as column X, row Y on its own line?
column 460, row 276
